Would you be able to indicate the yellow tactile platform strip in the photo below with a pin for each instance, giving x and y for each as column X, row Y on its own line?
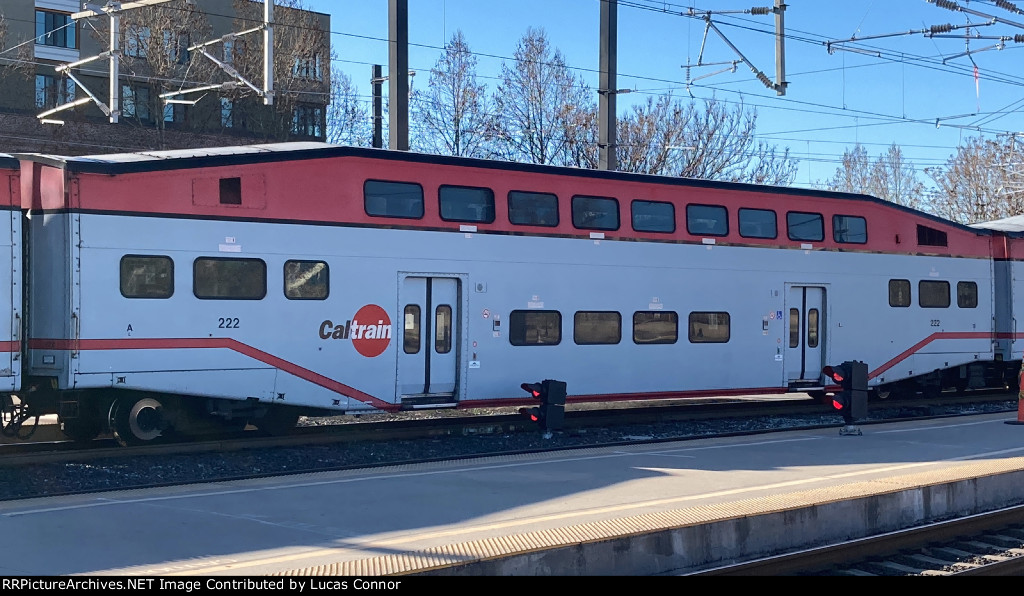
column 581, row 534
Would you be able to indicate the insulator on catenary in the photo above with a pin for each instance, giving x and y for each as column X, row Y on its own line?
column 761, row 10
column 947, row 5
column 1019, row 38
column 941, row 28
column 1010, row 6
column 764, row 79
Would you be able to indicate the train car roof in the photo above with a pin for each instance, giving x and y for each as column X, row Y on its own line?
column 8, row 161
column 179, row 159
column 1013, row 225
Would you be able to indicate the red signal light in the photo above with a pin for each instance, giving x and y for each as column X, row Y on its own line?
column 837, row 404
column 832, row 374
column 532, row 388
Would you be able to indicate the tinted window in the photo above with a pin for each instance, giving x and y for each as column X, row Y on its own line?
column 967, row 294
column 707, row 220
column 933, row 294
column 461, row 203
column 147, row 277
column 930, row 236
column 655, row 327
column 237, row 279
column 899, row 292
column 411, row 338
column 591, row 327
column 849, row 229
column 595, row 213
column 535, row 327
column 443, row 329
column 709, row 327
column 393, row 199
column 532, row 208
column 306, row 280
column 758, row 223
column 651, row 216
column 805, row 226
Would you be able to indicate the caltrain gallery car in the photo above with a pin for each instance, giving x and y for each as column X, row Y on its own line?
column 187, row 290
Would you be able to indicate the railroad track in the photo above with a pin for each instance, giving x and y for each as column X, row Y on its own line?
column 989, row 544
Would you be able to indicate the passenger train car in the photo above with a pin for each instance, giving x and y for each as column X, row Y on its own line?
column 188, row 290
column 11, row 272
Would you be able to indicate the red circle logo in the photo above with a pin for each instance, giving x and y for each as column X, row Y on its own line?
column 371, row 331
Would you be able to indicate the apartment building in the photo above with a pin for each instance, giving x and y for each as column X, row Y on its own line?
column 167, row 96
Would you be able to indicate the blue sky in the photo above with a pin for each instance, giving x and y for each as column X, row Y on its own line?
column 907, row 89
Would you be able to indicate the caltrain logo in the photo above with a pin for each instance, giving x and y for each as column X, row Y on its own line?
column 369, row 330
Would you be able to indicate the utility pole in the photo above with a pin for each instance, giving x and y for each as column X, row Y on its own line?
column 780, row 47
column 606, row 141
column 398, row 79
column 378, row 106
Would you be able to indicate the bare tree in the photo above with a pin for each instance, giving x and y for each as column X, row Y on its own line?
column 890, row 177
column 453, row 110
column 537, row 101
column 348, row 120
column 977, row 183
column 652, row 137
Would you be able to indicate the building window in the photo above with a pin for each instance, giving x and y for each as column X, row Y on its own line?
column 707, row 220
column 653, row 216
column 808, row 227
column 218, row 278
column 174, row 113
column 147, row 276
column 306, row 280
column 655, row 327
column 532, row 208
column 53, row 91
column 463, row 203
column 136, row 41
column 849, row 229
column 227, row 111
column 56, row 29
column 229, row 52
column 308, row 68
column 595, row 213
column 933, row 294
column 597, row 327
column 899, row 292
column 758, row 223
column 308, row 121
column 709, row 327
column 135, row 102
column 534, row 327
column 393, row 199
column 967, row 294
column 176, row 46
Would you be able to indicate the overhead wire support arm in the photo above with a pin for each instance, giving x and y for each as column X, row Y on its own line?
column 757, row 73
column 951, row 5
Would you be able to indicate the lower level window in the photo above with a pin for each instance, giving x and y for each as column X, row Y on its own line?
column 229, row 279
column 655, row 327
column 147, row 276
column 535, row 327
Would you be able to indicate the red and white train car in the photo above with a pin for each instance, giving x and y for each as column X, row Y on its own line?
column 252, row 284
column 11, row 272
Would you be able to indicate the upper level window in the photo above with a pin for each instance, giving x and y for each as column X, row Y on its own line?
column 56, row 29
column 707, row 220
column 930, row 236
column 808, row 227
column 393, row 199
column 933, row 294
column 758, row 223
column 532, row 208
column 145, row 276
column 52, row 91
column 849, row 229
column 229, row 279
column 464, row 203
column 653, row 216
column 595, row 213
column 308, row 121
column 309, row 68
column 136, row 41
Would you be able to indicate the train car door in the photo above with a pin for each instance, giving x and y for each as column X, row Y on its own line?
column 806, row 334
column 428, row 350
column 10, row 284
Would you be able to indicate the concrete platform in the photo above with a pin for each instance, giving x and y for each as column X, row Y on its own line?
column 643, row 510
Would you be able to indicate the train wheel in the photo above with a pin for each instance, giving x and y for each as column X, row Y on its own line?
column 81, row 430
column 137, row 421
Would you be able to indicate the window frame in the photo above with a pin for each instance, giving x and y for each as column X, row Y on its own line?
column 835, row 228
column 910, row 297
column 512, row 219
column 488, row 193
column 932, row 282
column 195, row 285
column 967, row 284
column 578, row 226
column 576, row 326
column 326, row 273
column 524, row 313
column 675, row 338
column 121, row 278
column 789, row 226
column 704, row 340
column 422, row 199
column 775, row 222
column 724, row 219
column 633, row 215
